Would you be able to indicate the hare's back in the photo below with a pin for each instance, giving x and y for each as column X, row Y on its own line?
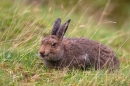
column 87, row 46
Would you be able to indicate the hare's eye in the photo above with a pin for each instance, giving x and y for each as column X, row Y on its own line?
column 54, row 44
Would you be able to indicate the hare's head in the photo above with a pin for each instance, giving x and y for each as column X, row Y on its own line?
column 52, row 47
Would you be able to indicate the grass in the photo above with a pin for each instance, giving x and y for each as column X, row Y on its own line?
column 23, row 26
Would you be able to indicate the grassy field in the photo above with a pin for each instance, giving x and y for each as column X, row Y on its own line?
column 23, row 26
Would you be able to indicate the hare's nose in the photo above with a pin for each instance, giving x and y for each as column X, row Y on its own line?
column 43, row 54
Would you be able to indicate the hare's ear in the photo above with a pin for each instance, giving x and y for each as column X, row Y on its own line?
column 56, row 26
column 62, row 29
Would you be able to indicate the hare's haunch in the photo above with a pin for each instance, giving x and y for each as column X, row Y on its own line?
column 59, row 52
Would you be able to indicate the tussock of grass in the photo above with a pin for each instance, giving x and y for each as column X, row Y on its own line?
column 21, row 30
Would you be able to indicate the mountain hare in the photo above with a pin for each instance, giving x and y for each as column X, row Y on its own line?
column 80, row 53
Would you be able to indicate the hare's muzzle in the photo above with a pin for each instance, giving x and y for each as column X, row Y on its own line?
column 43, row 54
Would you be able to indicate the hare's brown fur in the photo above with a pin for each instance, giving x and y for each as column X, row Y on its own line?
column 81, row 53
